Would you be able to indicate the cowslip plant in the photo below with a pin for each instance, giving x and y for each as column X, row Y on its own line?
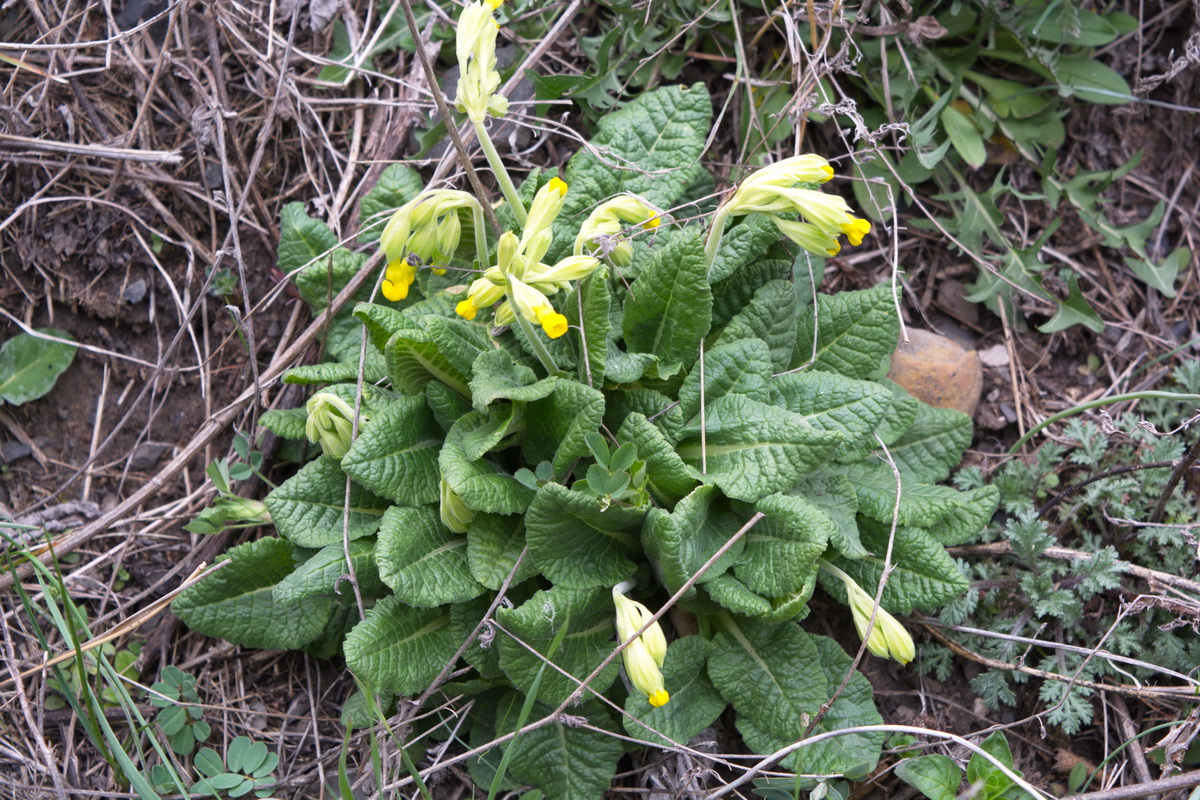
column 594, row 412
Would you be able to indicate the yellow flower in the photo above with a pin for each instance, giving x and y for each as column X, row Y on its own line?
column 397, row 278
column 645, row 654
column 599, row 231
column 812, row 238
column 888, row 638
column 533, row 306
column 784, row 187
column 475, row 46
column 331, row 423
column 427, row 227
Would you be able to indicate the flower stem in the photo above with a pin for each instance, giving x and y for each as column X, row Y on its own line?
column 481, row 248
column 506, row 185
column 713, row 242
column 539, row 349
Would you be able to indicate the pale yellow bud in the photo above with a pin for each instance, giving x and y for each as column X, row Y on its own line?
column 330, row 423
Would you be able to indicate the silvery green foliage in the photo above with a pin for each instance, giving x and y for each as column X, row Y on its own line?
column 787, row 422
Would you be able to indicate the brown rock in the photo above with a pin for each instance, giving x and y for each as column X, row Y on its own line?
column 939, row 371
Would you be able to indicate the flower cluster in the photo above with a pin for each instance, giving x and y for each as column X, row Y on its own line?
column 519, row 274
column 644, row 654
column 476, row 49
column 786, row 187
column 425, row 230
column 887, row 638
column 331, row 423
column 598, row 234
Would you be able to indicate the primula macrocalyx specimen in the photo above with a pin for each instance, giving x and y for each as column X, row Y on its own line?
column 644, row 654
column 475, row 45
column 331, row 423
column 887, row 638
column 599, row 232
column 520, row 275
column 426, row 229
column 788, row 187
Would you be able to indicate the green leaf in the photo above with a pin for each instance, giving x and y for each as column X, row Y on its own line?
column 667, row 477
column 754, row 449
column 937, row 777
column 732, row 294
column 780, row 557
column 236, row 602
column 400, row 649
column 556, row 425
column 383, row 321
column 694, row 703
column 397, row 184
column 302, row 240
column 741, row 244
column 423, row 562
column 924, row 576
column 740, row 367
column 1163, row 276
column 934, row 444
column 396, row 455
column 482, row 485
column 596, row 325
column 447, row 405
column 308, row 507
column 855, row 332
column 1092, row 81
column 766, row 317
column 980, row 770
column 855, row 706
column 579, row 543
column 330, row 372
column 322, row 279
column 498, row 377
column 1073, row 26
column 568, row 762
column 681, row 542
column 1075, row 310
column 444, row 350
column 669, row 307
column 831, row 402
column 587, row 615
column 493, row 544
column 319, row 576
column 285, row 423
column 770, row 672
column 29, row 366
column 835, row 496
column 900, row 416
column 650, row 147
column 964, row 136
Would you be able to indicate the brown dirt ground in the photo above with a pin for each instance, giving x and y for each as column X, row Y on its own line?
column 116, row 252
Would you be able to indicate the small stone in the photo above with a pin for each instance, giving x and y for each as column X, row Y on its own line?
column 11, row 452
column 135, row 291
column 147, row 455
column 994, row 356
column 938, row 371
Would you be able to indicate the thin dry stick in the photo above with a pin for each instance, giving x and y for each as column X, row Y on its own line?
column 87, row 480
column 10, row 141
column 1182, row 466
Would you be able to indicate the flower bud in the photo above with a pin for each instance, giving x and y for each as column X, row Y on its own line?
column 645, row 654
column 331, row 423
column 887, row 638
column 456, row 514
